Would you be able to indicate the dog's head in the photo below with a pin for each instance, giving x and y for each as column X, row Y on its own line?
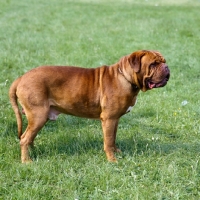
column 150, row 69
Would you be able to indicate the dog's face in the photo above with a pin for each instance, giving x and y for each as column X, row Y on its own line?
column 151, row 69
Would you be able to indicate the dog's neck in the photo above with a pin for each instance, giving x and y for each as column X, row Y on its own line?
column 134, row 86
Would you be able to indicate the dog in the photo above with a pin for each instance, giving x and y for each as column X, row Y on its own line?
column 105, row 93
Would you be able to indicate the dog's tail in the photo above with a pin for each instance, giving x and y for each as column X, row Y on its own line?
column 13, row 101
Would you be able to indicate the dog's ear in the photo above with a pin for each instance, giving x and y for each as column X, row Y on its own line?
column 135, row 60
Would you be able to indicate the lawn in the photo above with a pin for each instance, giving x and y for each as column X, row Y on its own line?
column 159, row 138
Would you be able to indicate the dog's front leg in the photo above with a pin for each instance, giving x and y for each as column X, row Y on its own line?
column 109, row 127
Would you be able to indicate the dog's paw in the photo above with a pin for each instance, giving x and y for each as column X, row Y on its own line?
column 113, row 160
column 27, row 161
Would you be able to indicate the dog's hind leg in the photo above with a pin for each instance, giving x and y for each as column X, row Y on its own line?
column 36, row 120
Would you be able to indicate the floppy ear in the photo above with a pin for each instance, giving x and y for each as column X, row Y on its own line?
column 135, row 60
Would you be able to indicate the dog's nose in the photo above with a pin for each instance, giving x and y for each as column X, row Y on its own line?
column 166, row 68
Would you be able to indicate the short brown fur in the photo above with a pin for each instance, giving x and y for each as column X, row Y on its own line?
column 104, row 93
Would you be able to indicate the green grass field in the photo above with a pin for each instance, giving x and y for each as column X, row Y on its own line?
column 159, row 138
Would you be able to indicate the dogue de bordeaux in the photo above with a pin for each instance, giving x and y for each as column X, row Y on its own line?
column 104, row 93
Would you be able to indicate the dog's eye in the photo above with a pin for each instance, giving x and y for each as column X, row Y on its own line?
column 152, row 65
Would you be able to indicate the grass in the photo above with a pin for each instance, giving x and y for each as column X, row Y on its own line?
column 160, row 138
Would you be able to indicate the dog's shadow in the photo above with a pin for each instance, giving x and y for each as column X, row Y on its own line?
column 81, row 136
column 76, row 136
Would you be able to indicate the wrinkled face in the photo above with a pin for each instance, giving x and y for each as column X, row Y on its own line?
column 156, row 70
column 150, row 68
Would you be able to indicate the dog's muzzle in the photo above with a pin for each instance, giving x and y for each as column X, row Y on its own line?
column 152, row 84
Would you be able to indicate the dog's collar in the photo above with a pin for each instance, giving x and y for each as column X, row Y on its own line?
column 133, row 85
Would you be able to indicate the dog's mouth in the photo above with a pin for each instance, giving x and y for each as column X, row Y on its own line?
column 151, row 84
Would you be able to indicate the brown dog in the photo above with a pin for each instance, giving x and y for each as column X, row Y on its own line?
column 104, row 93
